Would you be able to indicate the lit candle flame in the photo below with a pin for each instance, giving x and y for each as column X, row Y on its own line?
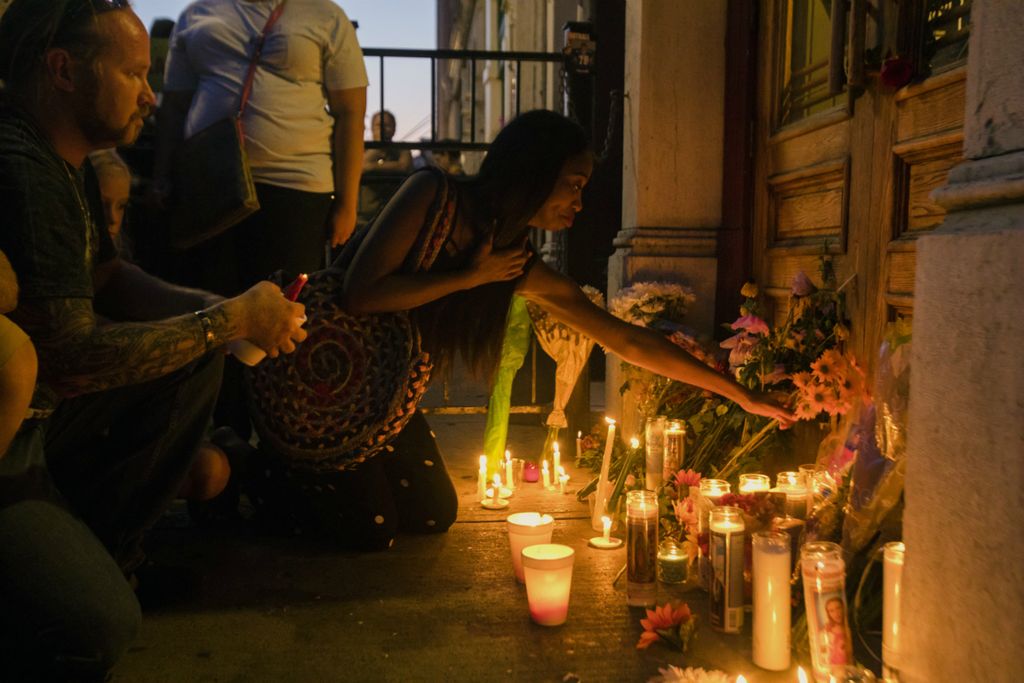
column 497, row 481
column 483, row 463
column 741, row 679
column 545, row 465
column 607, row 522
column 801, row 675
column 579, row 435
column 561, row 471
column 609, row 420
column 634, row 443
column 555, row 446
column 508, row 455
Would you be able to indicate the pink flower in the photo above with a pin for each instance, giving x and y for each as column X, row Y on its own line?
column 685, row 513
column 684, row 479
column 752, row 324
column 741, row 346
column 802, row 285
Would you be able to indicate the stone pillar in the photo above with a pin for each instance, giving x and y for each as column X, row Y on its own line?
column 964, row 519
column 672, row 158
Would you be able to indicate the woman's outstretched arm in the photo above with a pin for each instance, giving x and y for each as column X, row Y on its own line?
column 375, row 283
column 564, row 300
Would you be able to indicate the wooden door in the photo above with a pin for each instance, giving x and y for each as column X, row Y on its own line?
column 849, row 174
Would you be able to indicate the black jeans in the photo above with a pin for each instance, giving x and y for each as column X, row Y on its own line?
column 406, row 488
column 120, row 456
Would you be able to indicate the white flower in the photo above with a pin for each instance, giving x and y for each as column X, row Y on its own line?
column 673, row 674
column 645, row 302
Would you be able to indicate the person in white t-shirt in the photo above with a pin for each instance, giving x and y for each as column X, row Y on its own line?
column 303, row 126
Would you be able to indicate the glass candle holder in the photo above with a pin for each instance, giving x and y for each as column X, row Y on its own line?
column 797, row 496
column 673, row 562
column 754, row 483
column 726, row 550
column 828, row 629
column 711, row 491
column 641, row 548
column 675, row 449
column 654, row 445
column 771, row 568
column 892, row 581
column 526, row 529
column 547, row 569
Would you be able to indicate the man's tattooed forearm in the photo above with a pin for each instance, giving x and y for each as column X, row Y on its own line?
column 77, row 356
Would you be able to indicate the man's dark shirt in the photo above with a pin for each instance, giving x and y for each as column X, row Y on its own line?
column 47, row 229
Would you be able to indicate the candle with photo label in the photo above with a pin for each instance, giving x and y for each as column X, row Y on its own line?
column 726, row 549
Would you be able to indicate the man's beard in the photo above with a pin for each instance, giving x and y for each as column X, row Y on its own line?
column 99, row 132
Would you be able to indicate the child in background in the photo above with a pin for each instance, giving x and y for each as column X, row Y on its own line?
column 115, row 179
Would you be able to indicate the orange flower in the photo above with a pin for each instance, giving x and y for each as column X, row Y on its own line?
column 664, row 618
column 829, row 366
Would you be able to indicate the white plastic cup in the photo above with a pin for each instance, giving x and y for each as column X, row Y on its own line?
column 548, row 572
column 526, row 529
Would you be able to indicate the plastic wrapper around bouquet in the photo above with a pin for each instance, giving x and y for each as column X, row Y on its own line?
column 346, row 391
column 570, row 351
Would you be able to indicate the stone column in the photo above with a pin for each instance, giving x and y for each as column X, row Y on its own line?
column 672, row 158
column 964, row 519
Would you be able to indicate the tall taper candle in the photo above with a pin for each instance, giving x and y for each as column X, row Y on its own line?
column 771, row 567
column 556, row 457
column 481, row 481
column 604, row 486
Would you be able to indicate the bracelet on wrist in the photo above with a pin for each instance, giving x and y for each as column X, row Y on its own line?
column 209, row 337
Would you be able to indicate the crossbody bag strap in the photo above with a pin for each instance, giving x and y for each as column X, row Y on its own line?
column 254, row 60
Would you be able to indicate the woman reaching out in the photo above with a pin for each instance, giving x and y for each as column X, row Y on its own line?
column 446, row 255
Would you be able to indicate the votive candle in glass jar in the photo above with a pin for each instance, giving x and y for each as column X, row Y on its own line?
column 726, row 549
column 754, row 483
column 673, row 562
column 791, row 484
column 771, row 570
column 711, row 491
column 828, row 629
column 675, row 449
column 654, row 445
column 641, row 547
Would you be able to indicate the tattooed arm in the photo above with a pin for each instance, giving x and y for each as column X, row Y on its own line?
column 78, row 355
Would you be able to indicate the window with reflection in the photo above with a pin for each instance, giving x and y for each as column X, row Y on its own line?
column 805, row 50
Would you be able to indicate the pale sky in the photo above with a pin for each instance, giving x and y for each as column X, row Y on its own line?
column 382, row 23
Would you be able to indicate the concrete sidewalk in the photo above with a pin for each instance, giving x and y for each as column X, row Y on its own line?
column 433, row 608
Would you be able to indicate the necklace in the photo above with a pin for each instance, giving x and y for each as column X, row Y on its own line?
column 83, row 211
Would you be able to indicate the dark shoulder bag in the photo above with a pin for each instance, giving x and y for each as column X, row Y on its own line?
column 212, row 183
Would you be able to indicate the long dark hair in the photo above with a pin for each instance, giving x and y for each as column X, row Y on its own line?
column 515, row 179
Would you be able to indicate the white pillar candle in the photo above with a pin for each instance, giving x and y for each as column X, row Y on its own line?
column 606, row 521
column 526, row 529
column 563, row 481
column 726, row 549
column 545, row 475
column 508, row 469
column 603, row 484
column 547, row 570
column 771, row 570
column 481, row 480
column 892, row 579
column 556, row 456
column 654, row 452
column 675, row 447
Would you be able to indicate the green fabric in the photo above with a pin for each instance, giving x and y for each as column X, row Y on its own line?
column 513, row 352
